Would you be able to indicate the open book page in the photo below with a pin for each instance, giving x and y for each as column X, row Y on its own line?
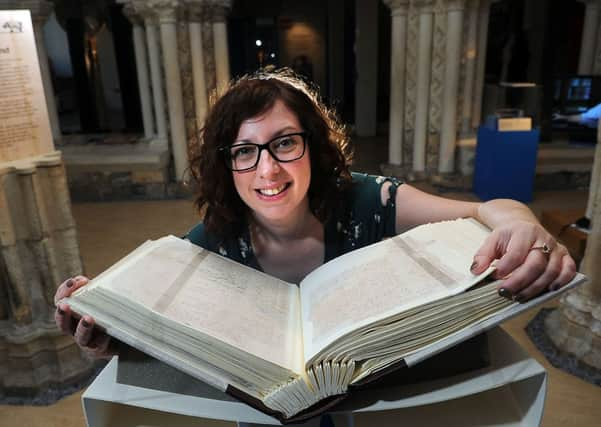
column 422, row 265
column 240, row 306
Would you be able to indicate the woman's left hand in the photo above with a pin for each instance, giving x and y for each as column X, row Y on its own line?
column 529, row 260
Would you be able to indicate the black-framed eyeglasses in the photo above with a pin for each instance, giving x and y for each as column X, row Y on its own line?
column 243, row 156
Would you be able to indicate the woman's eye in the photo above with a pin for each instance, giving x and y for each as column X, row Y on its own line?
column 285, row 143
column 242, row 152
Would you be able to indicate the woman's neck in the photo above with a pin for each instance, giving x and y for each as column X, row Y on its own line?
column 278, row 246
column 302, row 225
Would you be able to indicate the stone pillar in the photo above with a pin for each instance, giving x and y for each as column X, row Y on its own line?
column 398, row 10
column 589, row 36
column 222, row 60
column 593, row 186
column 195, row 15
column 156, row 75
column 469, row 57
column 167, row 12
column 38, row 250
column 424, row 61
column 141, row 70
column 575, row 327
column 448, row 131
column 40, row 11
column 483, row 15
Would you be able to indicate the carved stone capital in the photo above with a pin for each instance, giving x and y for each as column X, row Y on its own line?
column 453, row 5
column 218, row 10
column 196, row 10
column 167, row 11
column 424, row 6
column 397, row 7
column 132, row 15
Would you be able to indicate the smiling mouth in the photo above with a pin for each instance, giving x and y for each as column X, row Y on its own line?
column 270, row 192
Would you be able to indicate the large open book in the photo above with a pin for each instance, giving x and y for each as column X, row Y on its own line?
column 294, row 350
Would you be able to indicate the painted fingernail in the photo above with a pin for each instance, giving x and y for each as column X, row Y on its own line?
column 554, row 286
column 505, row 293
column 70, row 283
column 60, row 311
column 85, row 324
column 519, row 298
column 474, row 265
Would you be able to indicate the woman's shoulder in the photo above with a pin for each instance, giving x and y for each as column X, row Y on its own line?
column 235, row 247
column 197, row 234
column 366, row 189
column 363, row 219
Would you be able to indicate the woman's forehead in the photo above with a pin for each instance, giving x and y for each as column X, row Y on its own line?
column 276, row 118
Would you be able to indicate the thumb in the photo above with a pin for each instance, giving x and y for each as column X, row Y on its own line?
column 485, row 255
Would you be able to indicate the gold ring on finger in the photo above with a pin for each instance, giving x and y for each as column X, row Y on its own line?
column 546, row 249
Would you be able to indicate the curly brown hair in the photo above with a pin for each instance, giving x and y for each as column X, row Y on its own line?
column 250, row 96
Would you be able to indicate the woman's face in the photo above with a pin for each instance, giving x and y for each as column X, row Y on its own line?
column 275, row 192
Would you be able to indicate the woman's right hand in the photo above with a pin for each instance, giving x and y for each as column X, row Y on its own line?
column 94, row 342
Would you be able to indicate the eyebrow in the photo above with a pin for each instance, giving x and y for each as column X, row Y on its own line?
column 283, row 131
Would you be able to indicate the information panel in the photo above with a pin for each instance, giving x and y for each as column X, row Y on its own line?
column 24, row 124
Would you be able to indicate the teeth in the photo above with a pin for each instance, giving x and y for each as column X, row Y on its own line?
column 272, row 191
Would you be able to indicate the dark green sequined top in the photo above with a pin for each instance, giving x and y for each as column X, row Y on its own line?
column 362, row 221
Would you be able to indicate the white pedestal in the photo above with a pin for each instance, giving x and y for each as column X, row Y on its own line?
column 509, row 392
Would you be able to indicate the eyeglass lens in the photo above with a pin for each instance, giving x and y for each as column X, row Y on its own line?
column 285, row 148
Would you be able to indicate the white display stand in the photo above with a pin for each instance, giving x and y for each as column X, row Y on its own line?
column 509, row 392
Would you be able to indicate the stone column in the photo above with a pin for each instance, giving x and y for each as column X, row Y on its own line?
column 480, row 61
column 575, row 327
column 156, row 75
column 167, row 12
column 222, row 60
column 398, row 10
column 141, row 70
column 38, row 250
column 448, row 131
column 593, row 186
column 424, row 62
column 195, row 15
column 40, row 11
column 589, row 36
column 469, row 58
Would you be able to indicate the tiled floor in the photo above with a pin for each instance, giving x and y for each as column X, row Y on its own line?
column 107, row 231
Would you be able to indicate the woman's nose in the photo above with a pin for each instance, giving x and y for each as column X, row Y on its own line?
column 267, row 165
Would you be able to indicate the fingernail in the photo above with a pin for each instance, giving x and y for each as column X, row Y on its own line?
column 554, row 286
column 60, row 311
column 85, row 324
column 70, row 283
column 519, row 298
column 474, row 265
column 505, row 293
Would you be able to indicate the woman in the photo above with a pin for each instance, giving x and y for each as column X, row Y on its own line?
column 274, row 184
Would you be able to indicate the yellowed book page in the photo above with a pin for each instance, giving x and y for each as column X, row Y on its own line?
column 422, row 265
column 242, row 307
